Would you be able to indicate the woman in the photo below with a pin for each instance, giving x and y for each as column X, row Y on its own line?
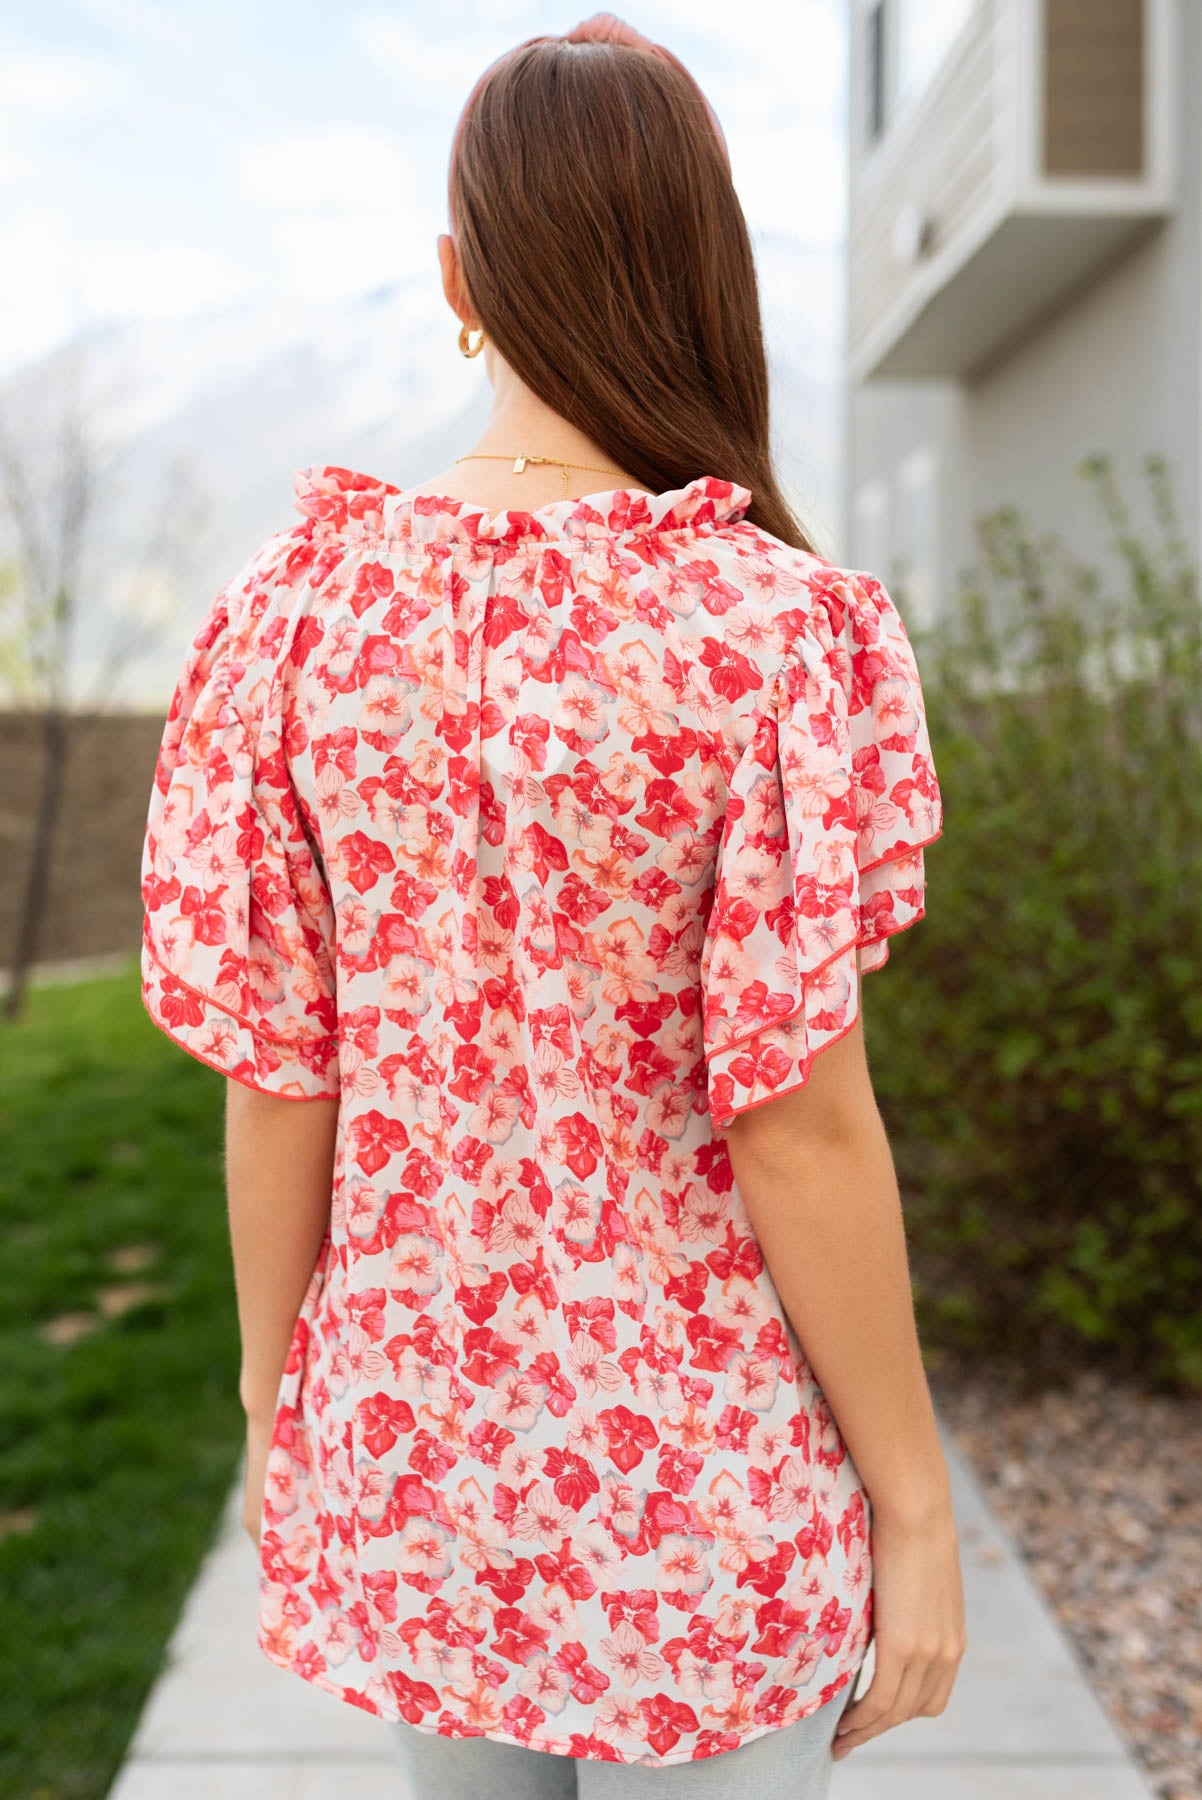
column 536, row 825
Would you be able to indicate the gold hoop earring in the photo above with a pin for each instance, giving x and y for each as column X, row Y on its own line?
column 470, row 349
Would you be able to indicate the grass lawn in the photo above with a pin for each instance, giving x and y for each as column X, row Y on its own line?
column 119, row 1429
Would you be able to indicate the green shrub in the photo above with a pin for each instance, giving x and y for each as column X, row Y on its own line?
column 1042, row 1070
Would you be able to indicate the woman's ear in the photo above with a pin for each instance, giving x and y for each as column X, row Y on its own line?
column 452, row 279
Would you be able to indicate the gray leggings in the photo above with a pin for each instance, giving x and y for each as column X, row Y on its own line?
column 791, row 1763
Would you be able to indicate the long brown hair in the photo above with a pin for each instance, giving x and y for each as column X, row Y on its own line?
column 608, row 259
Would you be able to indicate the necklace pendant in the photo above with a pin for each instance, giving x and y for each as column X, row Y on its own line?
column 519, row 463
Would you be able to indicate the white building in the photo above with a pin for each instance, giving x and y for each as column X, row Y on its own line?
column 1024, row 270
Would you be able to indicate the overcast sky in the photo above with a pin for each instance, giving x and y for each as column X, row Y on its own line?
column 159, row 159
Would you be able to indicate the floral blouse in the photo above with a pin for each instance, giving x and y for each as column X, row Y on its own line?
column 545, row 842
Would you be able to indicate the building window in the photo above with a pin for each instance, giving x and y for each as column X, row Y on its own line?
column 916, row 546
column 926, row 31
column 870, row 548
column 877, row 72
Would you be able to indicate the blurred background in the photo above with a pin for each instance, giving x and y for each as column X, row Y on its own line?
column 978, row 227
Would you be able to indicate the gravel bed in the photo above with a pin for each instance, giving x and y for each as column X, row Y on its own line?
column 1100, row 1486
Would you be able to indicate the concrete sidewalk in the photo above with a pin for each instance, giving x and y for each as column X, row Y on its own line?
column 223, row 1723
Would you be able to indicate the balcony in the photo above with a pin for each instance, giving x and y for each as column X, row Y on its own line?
column 1039, row 151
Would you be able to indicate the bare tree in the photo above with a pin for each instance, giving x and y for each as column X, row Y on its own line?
column 54, row 462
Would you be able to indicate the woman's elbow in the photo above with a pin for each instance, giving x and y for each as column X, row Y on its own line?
column 834, row 1110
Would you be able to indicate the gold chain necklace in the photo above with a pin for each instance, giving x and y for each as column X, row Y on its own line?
column 519, row 463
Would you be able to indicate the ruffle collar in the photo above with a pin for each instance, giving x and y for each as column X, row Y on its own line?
column 354, row 505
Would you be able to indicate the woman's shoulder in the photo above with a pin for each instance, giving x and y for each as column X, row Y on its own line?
column 251, row 623
column 783, row 605
column 339, row 500
column 700, row 564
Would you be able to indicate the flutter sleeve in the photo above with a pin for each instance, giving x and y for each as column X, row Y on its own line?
column 238, row 927
column 830, row 806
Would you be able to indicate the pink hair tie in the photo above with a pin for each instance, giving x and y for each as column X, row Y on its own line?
column 607, row 28
column 601, row 28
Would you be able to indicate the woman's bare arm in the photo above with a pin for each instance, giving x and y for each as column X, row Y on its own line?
column 279, row 1166
column 816, row 1175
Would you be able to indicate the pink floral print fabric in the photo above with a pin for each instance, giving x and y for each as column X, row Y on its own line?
column 546, row 842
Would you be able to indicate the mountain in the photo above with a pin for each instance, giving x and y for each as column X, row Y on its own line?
column 210, row 415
